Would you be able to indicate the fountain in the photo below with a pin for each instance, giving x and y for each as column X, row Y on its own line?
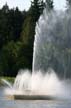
column 49, row 78
column 52, row 43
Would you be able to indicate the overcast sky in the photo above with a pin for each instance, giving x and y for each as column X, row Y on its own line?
column 25, row 4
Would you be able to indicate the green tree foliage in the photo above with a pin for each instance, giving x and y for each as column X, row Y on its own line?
column 49, row 4
column 10, row 24
column 8, row 58
column 36, row 9
column 68, row 3
column 14, row 57
column 11, row 21
column 30, row 22
column 3, row 24
column 17, row 30
column 15, row 20
column 27, row 35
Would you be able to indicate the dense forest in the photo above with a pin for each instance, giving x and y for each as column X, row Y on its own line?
column 17, row 30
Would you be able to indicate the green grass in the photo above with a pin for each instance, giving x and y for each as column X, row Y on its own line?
column 10, row 79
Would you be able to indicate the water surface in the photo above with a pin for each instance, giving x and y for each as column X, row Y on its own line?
column 6, row 103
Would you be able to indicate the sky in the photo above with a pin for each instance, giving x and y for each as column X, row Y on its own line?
column 25, row 4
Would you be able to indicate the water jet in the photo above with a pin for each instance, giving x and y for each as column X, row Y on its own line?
column 50, row 75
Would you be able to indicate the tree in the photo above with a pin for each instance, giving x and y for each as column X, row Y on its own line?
column 49, row 4
column 30, row 22
column 5, row 8
column 28, row 32
column 11, row 21
column 15, row 20
column 3, row 24
column 36, row 9
column 9, row 58
column 68, row 3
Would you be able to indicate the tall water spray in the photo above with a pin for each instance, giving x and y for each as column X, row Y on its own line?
column 52, row 44
column 52, row 40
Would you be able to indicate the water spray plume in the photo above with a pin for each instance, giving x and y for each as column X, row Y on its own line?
column 50, row 28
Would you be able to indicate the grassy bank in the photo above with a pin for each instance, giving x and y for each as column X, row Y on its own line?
column 10, row 79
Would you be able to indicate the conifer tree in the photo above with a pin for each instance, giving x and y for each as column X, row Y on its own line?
column 28, row 32
column 68, row 3
column 49, row 4
column 37, row 7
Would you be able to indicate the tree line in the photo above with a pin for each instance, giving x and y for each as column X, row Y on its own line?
column 17, row 30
